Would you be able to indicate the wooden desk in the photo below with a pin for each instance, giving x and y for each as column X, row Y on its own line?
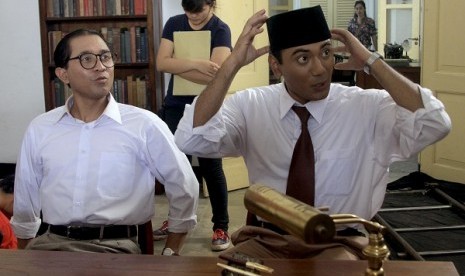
column 24, row 262
column 411, row 72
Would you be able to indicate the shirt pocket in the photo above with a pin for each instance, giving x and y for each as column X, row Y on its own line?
column 336, row 171
column 116, row 174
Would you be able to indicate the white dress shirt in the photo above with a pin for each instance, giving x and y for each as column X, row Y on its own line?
column 102, row 172
column 356, row 134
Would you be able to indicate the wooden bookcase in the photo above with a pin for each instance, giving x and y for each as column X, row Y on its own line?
column 142, row 70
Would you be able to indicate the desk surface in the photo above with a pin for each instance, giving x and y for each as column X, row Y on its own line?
column 411, row 71
column 22, row 262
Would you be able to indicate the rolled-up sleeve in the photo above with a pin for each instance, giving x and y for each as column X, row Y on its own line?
column 172, row 168
column 214, row 139
column 413, row 131
column 26, row 207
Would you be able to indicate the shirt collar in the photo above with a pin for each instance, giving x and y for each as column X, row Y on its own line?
column 316, row 108
column 111, row 111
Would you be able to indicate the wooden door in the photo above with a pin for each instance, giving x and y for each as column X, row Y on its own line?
column 235, row 14
column 444, row 72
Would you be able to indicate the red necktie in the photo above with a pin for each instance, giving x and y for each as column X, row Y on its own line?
column 301, row 179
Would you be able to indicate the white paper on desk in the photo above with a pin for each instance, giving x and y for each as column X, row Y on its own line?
column 190, row 45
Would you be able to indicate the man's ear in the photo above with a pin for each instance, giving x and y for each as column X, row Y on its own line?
column 274, row 65
column 62, row 74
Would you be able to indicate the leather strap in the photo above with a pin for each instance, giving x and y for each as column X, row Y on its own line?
column 90, row 233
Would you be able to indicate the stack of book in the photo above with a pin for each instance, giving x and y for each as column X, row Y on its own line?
column 132, row 90
column 78, row 8
column 129, row 43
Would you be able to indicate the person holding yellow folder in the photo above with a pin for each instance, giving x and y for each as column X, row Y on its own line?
column 199, row 16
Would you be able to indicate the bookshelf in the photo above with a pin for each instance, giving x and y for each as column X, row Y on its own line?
column 128, row 26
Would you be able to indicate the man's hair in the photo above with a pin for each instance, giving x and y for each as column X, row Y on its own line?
column 62, row 52
column 7, row 184
column 195, row 6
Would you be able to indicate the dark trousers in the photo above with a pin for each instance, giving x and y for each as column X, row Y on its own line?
column 211, row 170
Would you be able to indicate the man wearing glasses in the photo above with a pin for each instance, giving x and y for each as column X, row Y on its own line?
column 90, row 166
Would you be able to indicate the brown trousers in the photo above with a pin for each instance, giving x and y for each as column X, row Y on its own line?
column 49, row 241
column 260, row 243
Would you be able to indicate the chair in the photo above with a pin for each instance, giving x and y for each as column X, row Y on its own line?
column 145, row 237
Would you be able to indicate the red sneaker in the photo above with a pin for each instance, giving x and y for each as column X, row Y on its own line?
column 162, row 232
column 220, row 240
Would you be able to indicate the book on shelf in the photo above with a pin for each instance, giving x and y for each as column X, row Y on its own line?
column 130, row 84
column 116, row 46
column 118, row 10
column 110, row 8
column 132, row 90
column 138, row 44
column 125, row 42
column 141, row 92
column 60, row 92
column 143, row 45
column 132, row 43
column 140, row 7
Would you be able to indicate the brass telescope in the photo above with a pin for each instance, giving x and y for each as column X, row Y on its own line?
column 313, row 226
column 291, row 215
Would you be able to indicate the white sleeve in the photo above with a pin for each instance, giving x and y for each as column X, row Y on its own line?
column 401, row 133
column 214, row 139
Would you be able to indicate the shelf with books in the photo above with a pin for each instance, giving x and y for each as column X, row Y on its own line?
column 80, row 8
column 130, row 35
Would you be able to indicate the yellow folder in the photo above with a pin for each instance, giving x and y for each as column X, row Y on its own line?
column 190, row 45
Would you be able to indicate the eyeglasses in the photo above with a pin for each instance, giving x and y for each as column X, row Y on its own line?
column 89, row 60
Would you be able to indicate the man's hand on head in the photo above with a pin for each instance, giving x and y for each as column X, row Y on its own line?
column 358, row 54
column 244, row 51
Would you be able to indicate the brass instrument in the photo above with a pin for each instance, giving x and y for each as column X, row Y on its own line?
column 313, row 226
column 291, row 215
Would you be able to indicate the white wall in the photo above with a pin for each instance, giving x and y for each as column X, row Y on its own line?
column 170, row 8
column 21, row 80
column 372, row 9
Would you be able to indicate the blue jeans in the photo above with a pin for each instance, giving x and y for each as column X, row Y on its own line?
column 211, row 170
